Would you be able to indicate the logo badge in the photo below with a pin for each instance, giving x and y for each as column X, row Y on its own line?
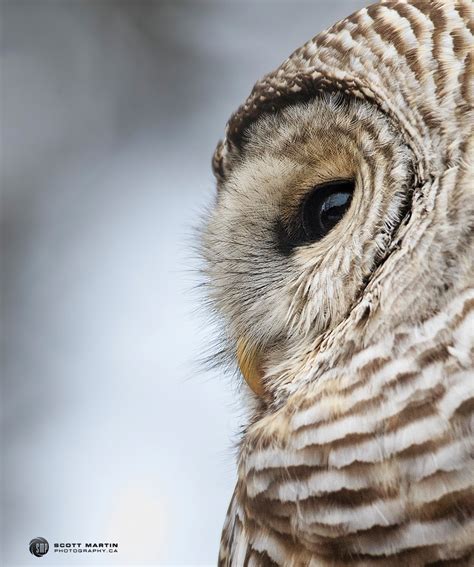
column 39, row 547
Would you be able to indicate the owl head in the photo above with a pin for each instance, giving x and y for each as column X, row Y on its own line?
column 335, row 214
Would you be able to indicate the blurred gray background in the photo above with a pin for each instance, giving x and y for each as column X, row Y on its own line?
column 110, row 111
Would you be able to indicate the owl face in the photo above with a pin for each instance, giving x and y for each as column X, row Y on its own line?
column 300, row 225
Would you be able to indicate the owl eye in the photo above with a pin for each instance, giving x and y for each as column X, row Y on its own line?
column 324, row 207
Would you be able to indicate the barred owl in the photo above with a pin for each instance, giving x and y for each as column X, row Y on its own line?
column 339, row 256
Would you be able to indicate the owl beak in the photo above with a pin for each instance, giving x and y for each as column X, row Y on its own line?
column 249, row 358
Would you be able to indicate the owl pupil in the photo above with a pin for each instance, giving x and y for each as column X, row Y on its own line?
column 333, row 209
column 319, row 212
column 324, row 208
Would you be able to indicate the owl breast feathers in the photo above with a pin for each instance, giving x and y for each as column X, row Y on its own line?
column 339, row 259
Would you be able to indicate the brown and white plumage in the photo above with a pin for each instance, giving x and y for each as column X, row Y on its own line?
column 359, row 346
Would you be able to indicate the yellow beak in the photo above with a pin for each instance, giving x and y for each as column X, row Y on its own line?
column 250, row 364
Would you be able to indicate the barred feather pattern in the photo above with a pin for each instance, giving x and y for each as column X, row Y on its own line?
column 362, row 453
column 371, row 463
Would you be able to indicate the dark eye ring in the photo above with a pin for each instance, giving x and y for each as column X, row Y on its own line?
column 324, row 207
